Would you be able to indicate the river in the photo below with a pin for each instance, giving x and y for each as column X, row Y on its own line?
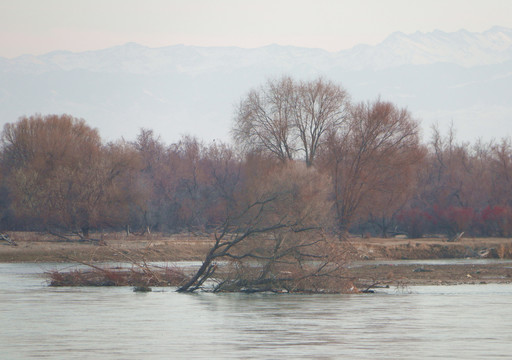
column 455, row 322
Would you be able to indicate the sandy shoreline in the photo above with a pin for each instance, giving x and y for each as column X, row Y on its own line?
column 408, row 275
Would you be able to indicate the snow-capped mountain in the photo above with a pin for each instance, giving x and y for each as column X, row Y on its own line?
column 461, row 48
column 132, row 58
column 461, row 77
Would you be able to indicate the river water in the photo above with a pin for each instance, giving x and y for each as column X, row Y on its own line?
column 441, row 322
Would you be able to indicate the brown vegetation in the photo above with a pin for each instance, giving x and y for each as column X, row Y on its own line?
column 148, row 275
column 273, row 236
column 372, row 163
column 314, row 169
column 60, row 175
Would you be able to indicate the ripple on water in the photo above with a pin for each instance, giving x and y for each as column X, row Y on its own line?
column 457, row 322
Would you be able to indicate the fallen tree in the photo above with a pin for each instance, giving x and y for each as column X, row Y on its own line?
column 6, row 237
column 274, row 237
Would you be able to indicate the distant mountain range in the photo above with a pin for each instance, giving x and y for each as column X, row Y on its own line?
column 460, row 77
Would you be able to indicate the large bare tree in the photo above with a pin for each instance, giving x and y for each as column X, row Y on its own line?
column 321, row 108
column 264, row 119
column 376, row 155
column 290, row 119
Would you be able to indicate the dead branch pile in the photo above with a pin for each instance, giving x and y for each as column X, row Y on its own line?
column 98, row 276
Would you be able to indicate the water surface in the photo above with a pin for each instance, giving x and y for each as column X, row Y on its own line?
column 456, row 322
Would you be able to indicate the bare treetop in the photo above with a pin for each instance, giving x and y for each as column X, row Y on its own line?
column 290, row 119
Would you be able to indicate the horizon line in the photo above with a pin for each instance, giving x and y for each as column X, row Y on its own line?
column 492, row 28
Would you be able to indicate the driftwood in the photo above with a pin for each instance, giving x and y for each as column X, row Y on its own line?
column 456, row 237
column 7, row 238
column 81, row 239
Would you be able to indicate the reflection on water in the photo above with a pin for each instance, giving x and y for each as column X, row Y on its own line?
column 457, row 322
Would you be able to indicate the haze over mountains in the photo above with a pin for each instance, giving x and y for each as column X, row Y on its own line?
column 461, row 77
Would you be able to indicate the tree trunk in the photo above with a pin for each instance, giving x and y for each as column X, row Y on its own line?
column 85, row 231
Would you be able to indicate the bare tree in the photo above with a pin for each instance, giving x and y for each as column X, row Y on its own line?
column 321, row 107
column 286, row 118
column 61, row 174
column 376, row 154
column 264, row 119
column 273, row 237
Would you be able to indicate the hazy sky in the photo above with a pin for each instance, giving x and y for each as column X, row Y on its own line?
column 37, row 26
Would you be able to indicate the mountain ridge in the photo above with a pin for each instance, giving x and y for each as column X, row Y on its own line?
column 183, row 89
column 462, row 47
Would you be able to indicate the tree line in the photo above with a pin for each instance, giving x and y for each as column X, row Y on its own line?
column 304, row 159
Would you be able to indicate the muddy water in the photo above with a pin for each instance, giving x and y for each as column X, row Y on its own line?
column 457, row 322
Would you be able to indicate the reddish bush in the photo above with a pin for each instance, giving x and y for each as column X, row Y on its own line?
column 455, row 219
column 496, row 221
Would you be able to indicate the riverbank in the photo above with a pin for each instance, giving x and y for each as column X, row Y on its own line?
column 367, row 276
column 432, row 248
column 32, row 247
column 367, row 273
